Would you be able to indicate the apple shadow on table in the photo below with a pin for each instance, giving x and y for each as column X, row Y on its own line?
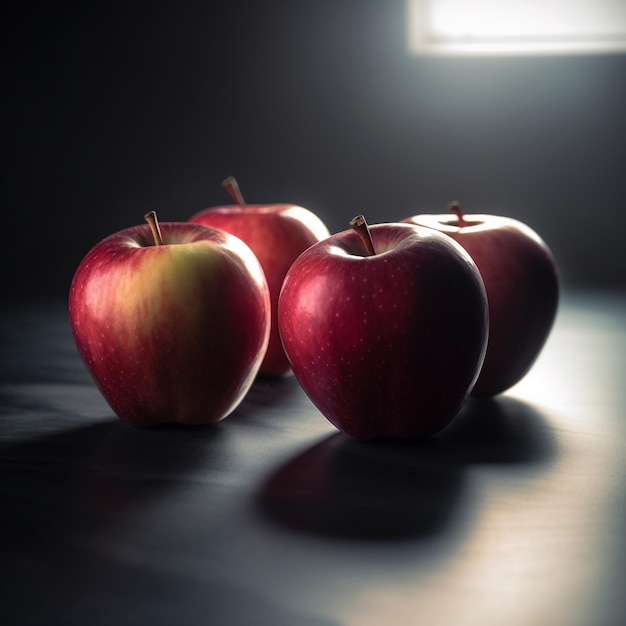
column 84, row 479
column 501, row 430
column 396, row 490
column 363, row 490
column 74, row 488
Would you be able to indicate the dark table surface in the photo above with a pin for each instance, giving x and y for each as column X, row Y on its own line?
column 515, row 514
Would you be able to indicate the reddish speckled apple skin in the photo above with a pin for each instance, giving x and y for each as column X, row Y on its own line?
column 277, row 234
column 172, row 333
column 386, row 345
column 522, row 284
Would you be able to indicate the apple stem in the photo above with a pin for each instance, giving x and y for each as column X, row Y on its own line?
column 359, row 224
column 455, row 207
column 232, row 186
column 153, row 222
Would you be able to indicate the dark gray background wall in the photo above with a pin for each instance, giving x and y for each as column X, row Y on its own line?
column 110, row 109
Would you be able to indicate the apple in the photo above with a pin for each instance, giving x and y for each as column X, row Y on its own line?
column 277, row 234
column 171, row 321
column 385, row 328
column 522, row 284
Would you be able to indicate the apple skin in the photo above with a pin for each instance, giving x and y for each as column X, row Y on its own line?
column 277, row 234
column 522, row 284
column 173, row 333
column 387, row 345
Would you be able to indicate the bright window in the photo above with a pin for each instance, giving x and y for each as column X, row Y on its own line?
column 503, row 27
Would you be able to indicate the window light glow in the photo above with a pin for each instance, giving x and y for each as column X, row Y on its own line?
column 504, row 27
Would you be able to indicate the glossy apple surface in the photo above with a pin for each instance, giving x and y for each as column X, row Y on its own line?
column 277, row 234
column 385, row 345
column 174, row 332
column 521, row 280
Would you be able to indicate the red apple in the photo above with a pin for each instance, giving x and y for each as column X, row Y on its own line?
column 277, row 234
column 171, row 324
column 386, row 340
column 522, row 284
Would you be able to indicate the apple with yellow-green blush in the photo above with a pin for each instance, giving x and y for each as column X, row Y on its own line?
column 171, row 320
